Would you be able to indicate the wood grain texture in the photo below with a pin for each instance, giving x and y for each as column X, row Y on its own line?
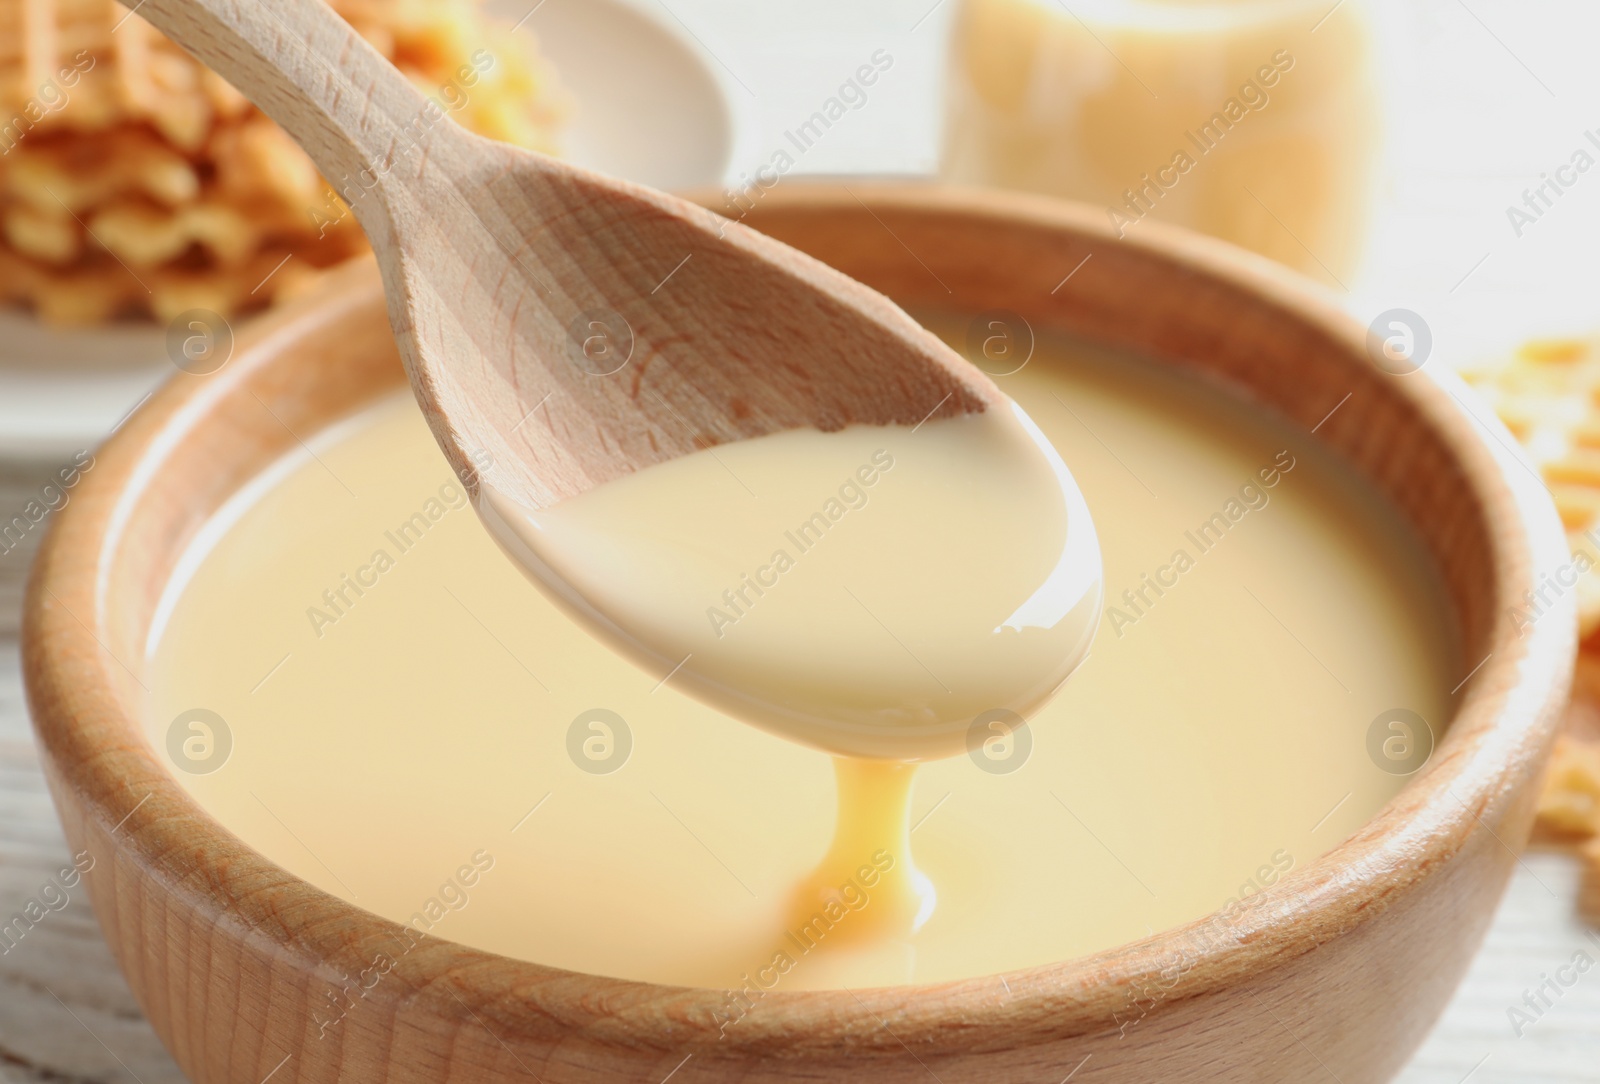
column 514, row 280
column 1340, row 967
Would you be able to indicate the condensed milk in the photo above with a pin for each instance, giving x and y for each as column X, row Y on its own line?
column 391, row 703
column 1252, row 120
column 781, row 579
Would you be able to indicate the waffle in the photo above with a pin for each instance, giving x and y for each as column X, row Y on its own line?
column 136, row 183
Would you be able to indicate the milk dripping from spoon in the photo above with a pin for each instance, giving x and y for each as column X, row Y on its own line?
column 517, row 282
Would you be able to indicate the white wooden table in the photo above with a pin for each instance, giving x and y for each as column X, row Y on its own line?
column 66, row 1017
column 1488, row 93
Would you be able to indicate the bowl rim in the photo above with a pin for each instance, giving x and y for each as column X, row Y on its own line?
column 94, row 742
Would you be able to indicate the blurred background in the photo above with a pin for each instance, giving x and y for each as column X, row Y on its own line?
column 1439, row 157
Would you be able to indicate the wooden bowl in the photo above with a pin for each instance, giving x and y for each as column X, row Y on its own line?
column 1336, row 972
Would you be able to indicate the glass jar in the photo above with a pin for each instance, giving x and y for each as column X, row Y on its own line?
column 1252, row 120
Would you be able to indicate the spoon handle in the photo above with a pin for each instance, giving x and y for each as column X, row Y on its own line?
column 309, row 70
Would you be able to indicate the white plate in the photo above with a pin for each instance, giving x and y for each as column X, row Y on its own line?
column 648, row 105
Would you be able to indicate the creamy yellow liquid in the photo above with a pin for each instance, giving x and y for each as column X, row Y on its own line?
column 1252, row 120
column 869, row 591
column 449, row 749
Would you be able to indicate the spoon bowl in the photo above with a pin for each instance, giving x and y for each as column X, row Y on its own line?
column 563, row 330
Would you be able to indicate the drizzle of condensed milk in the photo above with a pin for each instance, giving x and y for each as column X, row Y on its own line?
column 869, row 591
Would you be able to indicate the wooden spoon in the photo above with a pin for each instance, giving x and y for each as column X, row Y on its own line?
column 564, row 326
